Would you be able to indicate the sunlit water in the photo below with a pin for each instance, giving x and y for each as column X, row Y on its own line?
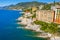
column 8, row 27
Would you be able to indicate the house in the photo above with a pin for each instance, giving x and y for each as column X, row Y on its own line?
column 41, row 6
column 34, row 9
column 27, row 13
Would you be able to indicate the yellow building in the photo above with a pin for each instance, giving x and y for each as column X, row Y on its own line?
column 45, row 15
column 34, row 9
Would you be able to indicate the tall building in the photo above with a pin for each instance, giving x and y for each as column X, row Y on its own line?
column 57, row 13
column 52, row 15
column 45, row 15
column 56, row 8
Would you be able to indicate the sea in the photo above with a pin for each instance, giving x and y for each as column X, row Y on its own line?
column 9, row 30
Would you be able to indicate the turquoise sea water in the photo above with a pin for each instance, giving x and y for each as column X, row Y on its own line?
column 8, row 27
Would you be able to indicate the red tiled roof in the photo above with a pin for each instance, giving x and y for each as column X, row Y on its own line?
column 27, row 11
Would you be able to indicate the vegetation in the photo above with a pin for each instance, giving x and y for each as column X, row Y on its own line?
column 34, row 15
column 48, row 27
column 46, row 7
column 25, row 5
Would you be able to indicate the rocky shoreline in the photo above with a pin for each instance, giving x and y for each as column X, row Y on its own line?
column 28, row 22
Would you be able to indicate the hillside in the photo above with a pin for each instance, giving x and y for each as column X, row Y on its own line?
column 25, row 5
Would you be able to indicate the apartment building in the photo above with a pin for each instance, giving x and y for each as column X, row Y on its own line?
column 52, row 15
column 57, row 13
column 45, row 15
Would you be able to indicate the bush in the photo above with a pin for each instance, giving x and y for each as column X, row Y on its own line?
column 47, row 27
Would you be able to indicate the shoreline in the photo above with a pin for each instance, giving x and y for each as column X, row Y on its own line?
column 34, row 27
column 42, row 36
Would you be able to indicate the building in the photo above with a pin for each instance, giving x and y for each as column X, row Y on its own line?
column 45, row 15
column 41, row 6
column 27, row 13
column 52, row 15
column 34, row 9
column 57, row 13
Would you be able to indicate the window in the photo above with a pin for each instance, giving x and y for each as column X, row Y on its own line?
column 49, row 18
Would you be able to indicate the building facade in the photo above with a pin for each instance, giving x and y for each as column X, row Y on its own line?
column 52, row 15
column 45, row 15
column 57, row 16
column 57, row 13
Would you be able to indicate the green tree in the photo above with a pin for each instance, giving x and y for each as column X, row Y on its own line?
column 46, row 7
column 48, row 27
